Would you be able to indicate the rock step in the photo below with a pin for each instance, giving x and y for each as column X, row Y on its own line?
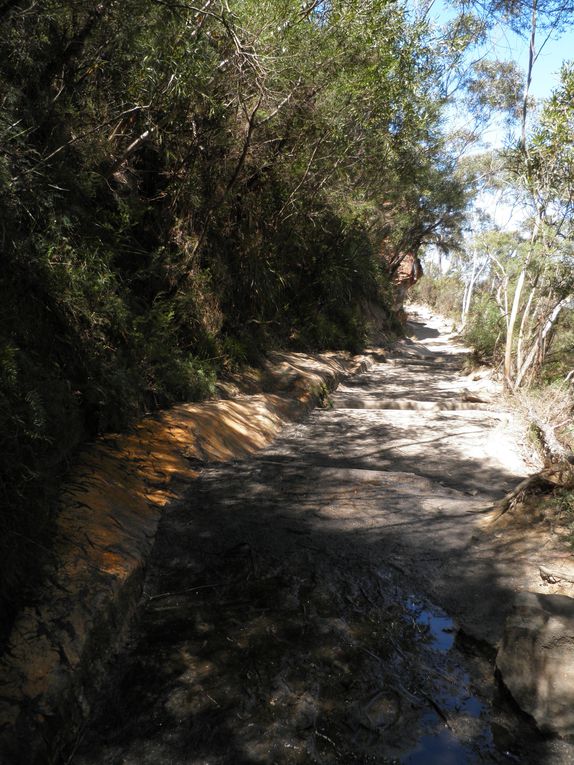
column 356, row 402
column 447, row 362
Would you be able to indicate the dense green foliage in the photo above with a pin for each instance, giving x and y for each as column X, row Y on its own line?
column 182, row 187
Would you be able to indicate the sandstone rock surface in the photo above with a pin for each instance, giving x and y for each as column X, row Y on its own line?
column 536, row 660
column 109, row 513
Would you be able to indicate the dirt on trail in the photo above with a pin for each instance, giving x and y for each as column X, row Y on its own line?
column 326, row 601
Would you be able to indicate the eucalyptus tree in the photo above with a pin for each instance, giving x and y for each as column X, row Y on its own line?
column 524, row 174
column 474, row 264
column 548, row 176
column 532, row 266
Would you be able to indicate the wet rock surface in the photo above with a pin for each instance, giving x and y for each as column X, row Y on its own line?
column 293, row 605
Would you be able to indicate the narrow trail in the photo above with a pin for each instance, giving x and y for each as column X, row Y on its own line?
column 325, row 601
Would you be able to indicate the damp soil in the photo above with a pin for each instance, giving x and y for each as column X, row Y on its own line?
column 294, row 612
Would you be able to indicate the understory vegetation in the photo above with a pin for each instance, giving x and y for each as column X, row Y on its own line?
column 183, row 187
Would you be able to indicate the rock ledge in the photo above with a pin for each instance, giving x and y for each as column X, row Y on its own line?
column 536, row 660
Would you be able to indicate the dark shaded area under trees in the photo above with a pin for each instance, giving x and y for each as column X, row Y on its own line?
column 181, row 188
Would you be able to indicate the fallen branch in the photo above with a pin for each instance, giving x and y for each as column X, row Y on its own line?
column 553, row 575
column 440, row 712
column 559, row 475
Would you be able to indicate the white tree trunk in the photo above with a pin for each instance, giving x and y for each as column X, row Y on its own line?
column 510, row 329
column 464, row 310
column 539, row 344
column 521, row 331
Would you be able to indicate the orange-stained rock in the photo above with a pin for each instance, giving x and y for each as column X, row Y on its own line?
column 110, row 509
column 408, row 273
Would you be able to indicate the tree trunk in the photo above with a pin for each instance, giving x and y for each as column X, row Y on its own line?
column 531, row 59
column 468, row 290
column 464, row 311
column 510, row 329
column 540, row 345
column 521, row 331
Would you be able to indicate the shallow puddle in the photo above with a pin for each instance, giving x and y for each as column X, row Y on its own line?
column 440, row 749
column 439, row 626
column 455, row 731
column 311, row 663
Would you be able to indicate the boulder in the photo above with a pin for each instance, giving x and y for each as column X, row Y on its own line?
column 536, row 660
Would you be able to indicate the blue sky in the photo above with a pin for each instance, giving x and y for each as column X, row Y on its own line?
column 547, row 67
column 503, row 44
column 555, row 51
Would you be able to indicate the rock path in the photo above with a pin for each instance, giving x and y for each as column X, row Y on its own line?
column 323, row 601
